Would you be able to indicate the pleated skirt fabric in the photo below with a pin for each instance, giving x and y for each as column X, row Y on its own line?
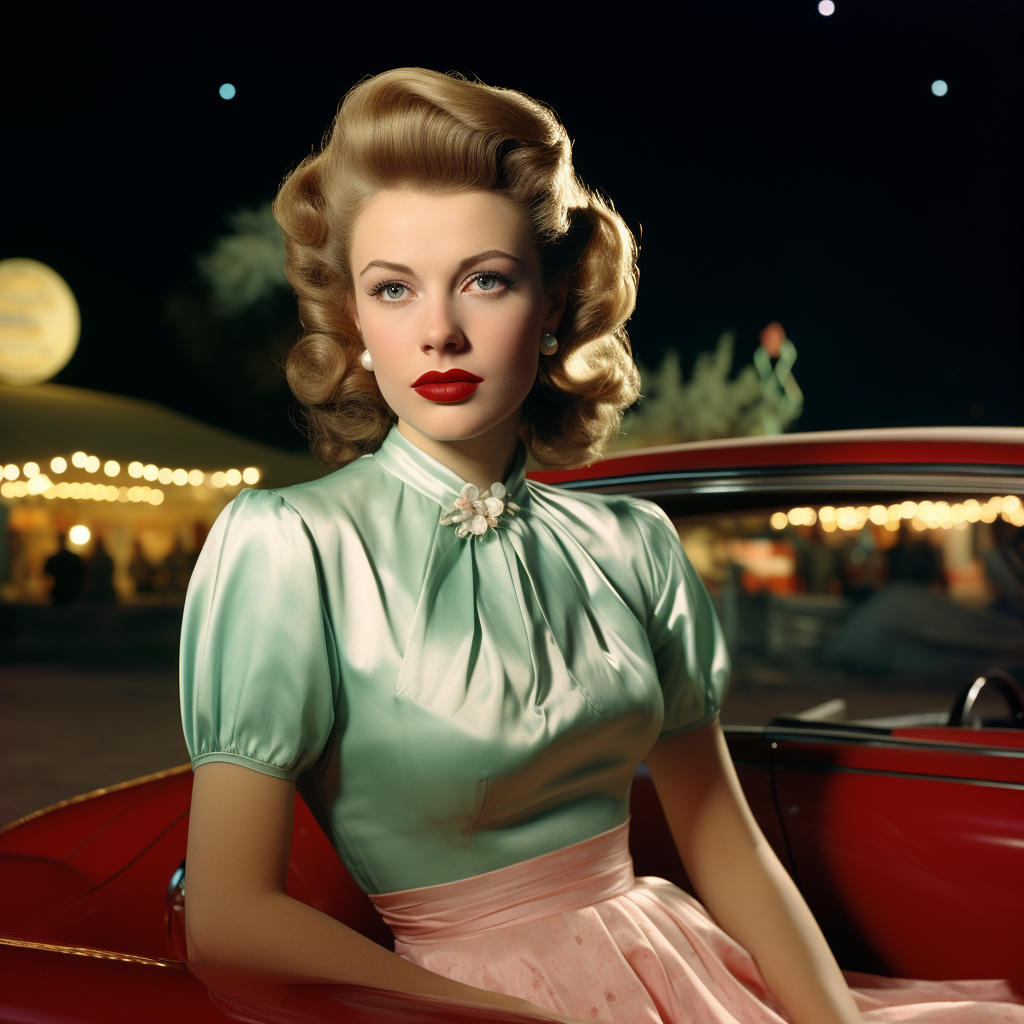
column 574, row 931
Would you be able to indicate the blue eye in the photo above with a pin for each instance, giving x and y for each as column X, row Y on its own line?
column 391, row 291
column 490, row 280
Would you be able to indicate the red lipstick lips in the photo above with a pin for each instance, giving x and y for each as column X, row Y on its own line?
column 450, row 386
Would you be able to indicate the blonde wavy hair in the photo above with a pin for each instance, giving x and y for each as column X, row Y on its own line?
column 439, row 133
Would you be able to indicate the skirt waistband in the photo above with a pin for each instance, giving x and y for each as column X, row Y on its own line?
column 595, row 870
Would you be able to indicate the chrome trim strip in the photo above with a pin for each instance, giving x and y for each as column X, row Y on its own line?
column 176, row 770
column 720, row 482
column 100, row 954
column 896, row 775
column 853, row 735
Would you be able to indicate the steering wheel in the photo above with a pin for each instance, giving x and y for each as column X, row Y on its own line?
column 1004, row 683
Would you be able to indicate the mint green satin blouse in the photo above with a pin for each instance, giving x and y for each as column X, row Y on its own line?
column 447, row 705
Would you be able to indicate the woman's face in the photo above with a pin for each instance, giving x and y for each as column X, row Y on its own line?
column 450, row 284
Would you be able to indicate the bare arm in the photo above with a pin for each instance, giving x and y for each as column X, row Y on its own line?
column 740, row 880
column 237, row 911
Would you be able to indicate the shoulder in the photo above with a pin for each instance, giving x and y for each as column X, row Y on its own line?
column 635, row 519
column 303, row 508
column 339, row 495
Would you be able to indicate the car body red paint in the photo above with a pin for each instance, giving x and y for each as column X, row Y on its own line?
column 907, row 841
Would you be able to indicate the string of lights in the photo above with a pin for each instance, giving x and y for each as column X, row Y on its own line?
column 921, row 515
column 30, row 479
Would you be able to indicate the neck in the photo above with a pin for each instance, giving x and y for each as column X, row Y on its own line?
column 481, row 460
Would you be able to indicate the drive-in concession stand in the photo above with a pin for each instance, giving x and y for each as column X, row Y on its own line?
column 111, row 479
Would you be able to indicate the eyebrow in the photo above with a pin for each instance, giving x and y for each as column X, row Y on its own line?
column 470, row 261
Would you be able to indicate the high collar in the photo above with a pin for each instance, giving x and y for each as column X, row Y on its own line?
column 413, row 466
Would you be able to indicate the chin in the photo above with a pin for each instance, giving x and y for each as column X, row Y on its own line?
column 455, row 423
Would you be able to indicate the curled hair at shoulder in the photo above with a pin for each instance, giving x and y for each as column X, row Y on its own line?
column 416, row 128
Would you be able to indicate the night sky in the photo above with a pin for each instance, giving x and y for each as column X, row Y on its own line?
column 775, row 164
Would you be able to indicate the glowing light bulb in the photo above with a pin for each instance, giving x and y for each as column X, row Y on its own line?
column 79, row 534
column 58, row 464
column 92, row 463
column 251, row 475
column 150, row 472
column 78, row 460
column 30, row 469
column 111, row 468
column 165, row 476
column 180, row 477
column 11, row 471
column 233, row 477
column 135, row 470
column 826, row 7
column 939, row 87
column 779, row 520
column 195, row 477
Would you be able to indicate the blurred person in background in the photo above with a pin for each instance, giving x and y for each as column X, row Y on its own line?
column 1004, row 567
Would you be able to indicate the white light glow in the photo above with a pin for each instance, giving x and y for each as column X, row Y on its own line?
column 227, row 91
column 79, row 534
column 92, row 464
column 180, row 477
column 78, row 460
column 11, row 471
column 778, row 521
column 111, row 468
column 58, row 465
column 30, row 469
column 150, row 472
column 165, row 476
column 939, row 87
column 251, row 475
column 135, row 470
column 195, row 477
column 233, row 477
column 826, row 7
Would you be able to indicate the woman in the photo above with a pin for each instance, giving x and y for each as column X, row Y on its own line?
column 461, row 670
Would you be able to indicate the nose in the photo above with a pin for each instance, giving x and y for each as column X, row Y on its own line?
column 441, row 330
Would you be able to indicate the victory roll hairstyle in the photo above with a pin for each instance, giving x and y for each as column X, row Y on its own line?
column 413, row 128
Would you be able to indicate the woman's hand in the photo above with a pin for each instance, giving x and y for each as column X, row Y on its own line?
column 237, row 911
column 740, row 880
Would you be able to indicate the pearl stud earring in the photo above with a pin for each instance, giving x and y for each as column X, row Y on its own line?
column 548, row 344
column 365, row 361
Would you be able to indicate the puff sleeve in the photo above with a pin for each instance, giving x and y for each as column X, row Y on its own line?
column 683, row 630
column 258, row 674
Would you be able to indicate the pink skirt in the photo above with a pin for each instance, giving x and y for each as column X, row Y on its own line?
column 574, row 931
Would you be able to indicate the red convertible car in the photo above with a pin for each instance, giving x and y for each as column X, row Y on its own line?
column 880, row 570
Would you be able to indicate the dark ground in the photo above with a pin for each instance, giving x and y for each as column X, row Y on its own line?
column 69, row 729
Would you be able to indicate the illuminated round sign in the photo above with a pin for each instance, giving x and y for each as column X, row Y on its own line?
column 39, row 322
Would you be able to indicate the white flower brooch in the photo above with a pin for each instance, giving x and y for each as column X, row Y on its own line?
column 475, row 511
